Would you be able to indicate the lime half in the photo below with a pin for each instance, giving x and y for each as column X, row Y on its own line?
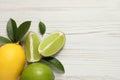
column 52, row 44
column 32, row 43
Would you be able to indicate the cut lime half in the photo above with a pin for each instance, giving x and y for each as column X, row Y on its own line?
column 32, row 43
column 52, row 44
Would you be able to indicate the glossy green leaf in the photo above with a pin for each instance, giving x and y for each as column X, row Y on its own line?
column 4, row 40
column 54, row 63
column 42, row 28
column 22, row 30
column 11, row 29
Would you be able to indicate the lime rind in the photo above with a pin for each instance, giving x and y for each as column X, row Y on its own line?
column 27, row 51
column 37, row 71
column 32, row 43
column 52, row 44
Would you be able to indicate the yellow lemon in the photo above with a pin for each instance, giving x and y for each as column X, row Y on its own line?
column 12, row 61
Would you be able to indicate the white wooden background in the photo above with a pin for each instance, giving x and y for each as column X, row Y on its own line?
column 92, row 28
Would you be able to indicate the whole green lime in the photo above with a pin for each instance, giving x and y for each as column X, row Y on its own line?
column 37, row 71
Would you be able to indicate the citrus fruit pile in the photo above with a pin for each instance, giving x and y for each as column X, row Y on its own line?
column 30, row 59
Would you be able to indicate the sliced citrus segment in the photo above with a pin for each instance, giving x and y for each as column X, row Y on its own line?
column 52, row 44
column 32, row 43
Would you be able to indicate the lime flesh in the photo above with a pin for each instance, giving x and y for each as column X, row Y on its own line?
column 32, row 43
column 52, row 44
column 37, row 71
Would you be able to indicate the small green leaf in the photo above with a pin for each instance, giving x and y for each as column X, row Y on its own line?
column 4, row 40
column 54, row 63
column 11, row 29
column 22, row 30
column 42, row 28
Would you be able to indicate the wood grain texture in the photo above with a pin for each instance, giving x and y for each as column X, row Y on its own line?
column 92, row 28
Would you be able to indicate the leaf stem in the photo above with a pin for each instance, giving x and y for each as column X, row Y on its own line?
column 18, row 42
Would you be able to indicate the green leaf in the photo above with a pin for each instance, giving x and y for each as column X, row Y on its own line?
column 42, row 28
column 22, row 30
column 11, row 29
column 54, row 63
column 4, row 40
